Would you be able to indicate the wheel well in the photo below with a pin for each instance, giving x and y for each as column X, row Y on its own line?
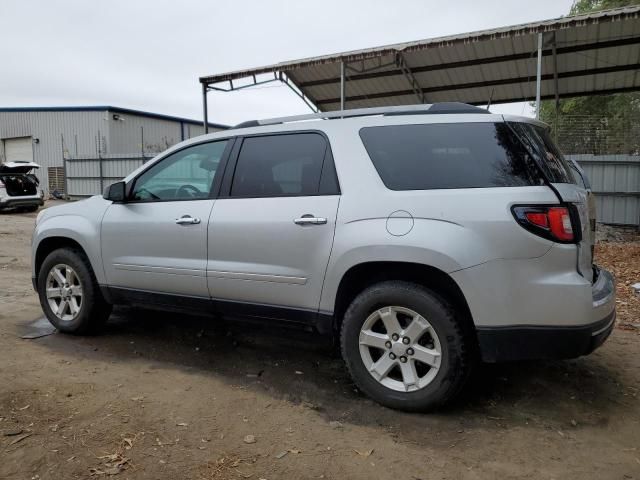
column 359, row 277
column 50, row 244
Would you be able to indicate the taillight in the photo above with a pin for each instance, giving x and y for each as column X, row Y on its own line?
column 557, row 223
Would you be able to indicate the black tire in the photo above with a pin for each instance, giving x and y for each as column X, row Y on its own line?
column 94, row 310
column 31, row 209
column 456, row 358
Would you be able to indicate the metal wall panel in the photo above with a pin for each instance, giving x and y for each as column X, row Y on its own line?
column 89, row 134
column 79, row 129
column 615, row 179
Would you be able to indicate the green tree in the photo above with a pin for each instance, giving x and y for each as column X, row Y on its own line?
column 608, row 115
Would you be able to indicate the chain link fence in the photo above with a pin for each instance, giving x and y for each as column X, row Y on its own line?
column 597, row 135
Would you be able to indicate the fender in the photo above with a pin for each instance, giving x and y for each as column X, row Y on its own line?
column 83, row 230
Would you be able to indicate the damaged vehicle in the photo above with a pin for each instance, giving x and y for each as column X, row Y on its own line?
column 19, row 186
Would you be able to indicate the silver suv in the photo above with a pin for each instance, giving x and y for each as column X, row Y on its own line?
column 423, row 238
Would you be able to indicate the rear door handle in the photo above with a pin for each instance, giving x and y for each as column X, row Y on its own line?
column 187, row 220
column 310, row 220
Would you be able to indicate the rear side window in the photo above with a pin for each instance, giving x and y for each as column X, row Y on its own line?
column 451, row 155
column 541, row 146
column 279, row 165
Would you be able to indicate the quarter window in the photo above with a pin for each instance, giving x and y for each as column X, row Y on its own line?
column 279, row 165
column 449, row 155
column 185, row 175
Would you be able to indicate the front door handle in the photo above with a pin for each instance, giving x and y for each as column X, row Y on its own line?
column 187, row 220
column 310, row 220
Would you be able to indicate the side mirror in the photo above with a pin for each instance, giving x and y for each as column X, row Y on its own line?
column 115, row 192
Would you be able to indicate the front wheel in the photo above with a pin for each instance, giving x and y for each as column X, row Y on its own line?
column 404, row 346
column 69, row 293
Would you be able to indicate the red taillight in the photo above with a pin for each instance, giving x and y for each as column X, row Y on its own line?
column 554, row 223
column 539, row 219
column 560, row 223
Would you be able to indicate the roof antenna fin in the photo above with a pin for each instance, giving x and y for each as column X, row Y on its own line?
column 490, row 97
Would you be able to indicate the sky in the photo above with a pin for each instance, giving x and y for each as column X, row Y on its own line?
column 149, row 54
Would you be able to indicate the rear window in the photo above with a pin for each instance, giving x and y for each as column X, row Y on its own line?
column 539, row 143
column 449, row 155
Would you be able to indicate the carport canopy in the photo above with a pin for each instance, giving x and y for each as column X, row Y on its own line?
column 595, row 53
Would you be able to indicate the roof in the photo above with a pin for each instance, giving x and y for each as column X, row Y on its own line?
column 595, row 53
column 103, row 108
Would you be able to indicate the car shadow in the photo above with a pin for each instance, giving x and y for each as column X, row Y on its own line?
column 304, row 368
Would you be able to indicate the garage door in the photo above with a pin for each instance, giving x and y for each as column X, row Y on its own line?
column 18, row 149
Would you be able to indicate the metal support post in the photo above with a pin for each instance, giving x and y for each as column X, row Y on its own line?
column 539, row 76
column 342, row 86
column 555, row 87
column 204, row 108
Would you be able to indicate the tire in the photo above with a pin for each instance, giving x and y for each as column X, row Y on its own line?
column 91, row 310
column 441, row 381
column 33, row 208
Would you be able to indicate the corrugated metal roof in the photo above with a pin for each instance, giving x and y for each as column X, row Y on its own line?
column 595, row 53
column 103, row 108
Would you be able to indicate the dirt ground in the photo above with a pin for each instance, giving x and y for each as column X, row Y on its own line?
column 165, row 396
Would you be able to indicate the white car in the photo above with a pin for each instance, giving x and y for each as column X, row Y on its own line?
column 19, row 186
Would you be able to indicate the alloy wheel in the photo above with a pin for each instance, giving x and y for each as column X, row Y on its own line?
column 64, row 292
column 400, row 348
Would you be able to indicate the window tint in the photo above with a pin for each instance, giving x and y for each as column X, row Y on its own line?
column 539, row 143
column 452, row 155
column 185, row 175
column 279, row 165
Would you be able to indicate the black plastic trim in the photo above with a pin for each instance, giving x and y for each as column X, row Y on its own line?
column 533, row 342
column 17, row 202
column 321, row 321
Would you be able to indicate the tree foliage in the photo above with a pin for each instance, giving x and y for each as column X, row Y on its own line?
column 611, row 112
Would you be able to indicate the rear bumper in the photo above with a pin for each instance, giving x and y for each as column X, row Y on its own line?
column 8, row 202
column 529, row 342
column 506, row 344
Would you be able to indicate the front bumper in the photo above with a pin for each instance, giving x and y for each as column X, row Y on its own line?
column 9, row 202
column 531, row 342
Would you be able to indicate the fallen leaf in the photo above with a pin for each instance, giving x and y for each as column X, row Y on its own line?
column 137, row 399
column 249, row 439
column 20, row 438
column 364, row 453
column 25, row 407
column 182, row 424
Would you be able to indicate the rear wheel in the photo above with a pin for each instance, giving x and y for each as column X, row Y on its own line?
column 404, row 346
column 69, row 293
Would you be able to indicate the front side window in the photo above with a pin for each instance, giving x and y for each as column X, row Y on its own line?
column 279, row 165
column 185, row 175
column 449, row 155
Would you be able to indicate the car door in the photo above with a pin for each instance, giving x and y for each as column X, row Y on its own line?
column 156, row 241
column 271, row 229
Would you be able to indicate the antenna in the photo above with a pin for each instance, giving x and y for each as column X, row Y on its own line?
column 490, row 97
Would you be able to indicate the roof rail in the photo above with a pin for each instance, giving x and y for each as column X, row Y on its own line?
column 421, row 109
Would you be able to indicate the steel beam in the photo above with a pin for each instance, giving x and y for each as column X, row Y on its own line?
column 205, row 112
column 506, row 81
column 408, row 74
column 342, row 86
